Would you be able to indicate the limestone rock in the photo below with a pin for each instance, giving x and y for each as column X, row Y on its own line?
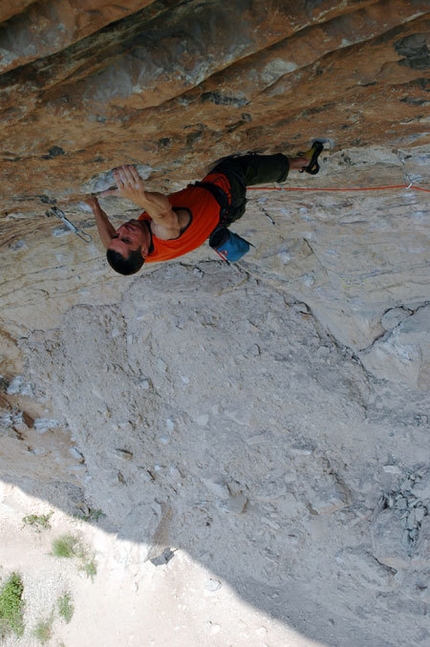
column 421, row 559
column 389, row 544
column 226, row 410
column 403, row 354
column 171, row 87
column 87, row 88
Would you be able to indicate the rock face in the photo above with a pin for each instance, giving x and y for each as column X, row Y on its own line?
column 172, row 86
column 207, row 411
column 284, row 397
column 89, row 85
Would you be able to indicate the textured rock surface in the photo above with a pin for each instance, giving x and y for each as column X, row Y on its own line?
column 179, row 83
column 173, row 85
column 270, row 419
column 208, row 413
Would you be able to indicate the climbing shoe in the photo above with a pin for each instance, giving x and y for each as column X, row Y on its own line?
column 312, row 154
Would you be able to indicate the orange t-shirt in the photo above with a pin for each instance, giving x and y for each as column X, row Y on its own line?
column 205, row 214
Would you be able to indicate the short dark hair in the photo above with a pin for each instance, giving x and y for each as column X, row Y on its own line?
column 124, row 265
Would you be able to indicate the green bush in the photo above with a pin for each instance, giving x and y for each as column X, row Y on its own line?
column 11, row 606
column 65, row 607
column 65, row 546
column 89, row 567
column 38, row 522
column 71, row 546
column 43, row 630
column 89, row 514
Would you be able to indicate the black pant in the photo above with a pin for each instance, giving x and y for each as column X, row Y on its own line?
column 248, row 170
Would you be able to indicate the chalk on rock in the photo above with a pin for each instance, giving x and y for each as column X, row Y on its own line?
column 83, row 206
column 105, row 180
column 60, row 231
column 42, row 425
column 18, row 386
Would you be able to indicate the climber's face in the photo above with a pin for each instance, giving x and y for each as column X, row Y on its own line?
column 131, row 236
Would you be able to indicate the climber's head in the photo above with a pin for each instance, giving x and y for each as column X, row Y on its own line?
column 129, row 247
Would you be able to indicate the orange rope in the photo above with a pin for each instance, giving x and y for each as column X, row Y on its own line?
column 368, row 188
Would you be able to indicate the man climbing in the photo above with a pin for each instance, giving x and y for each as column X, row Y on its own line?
column 172, row 225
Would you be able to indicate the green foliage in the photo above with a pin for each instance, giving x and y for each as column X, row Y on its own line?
column 38, row 522
column 65, row 546
column 65, row 607
column 43, row 630
column 89, row 567
column 87, row 562
column 91, row 515
column 11, row 606
column 71, row 546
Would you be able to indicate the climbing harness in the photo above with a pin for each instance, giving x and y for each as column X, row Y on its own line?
column 59, row 213
column 228, row 245
column 220, row 196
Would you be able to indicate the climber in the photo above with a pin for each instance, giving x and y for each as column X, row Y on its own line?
column 172, row 225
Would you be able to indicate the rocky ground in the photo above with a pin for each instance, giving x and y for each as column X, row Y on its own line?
column 259, row 486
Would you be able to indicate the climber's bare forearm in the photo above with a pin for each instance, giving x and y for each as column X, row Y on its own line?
column 104, row 227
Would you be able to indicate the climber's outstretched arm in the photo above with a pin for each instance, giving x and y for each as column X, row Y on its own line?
column 166, row 223
column 105, row 228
